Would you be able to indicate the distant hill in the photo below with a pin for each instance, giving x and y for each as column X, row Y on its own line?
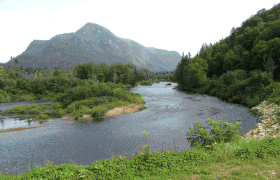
column 94, row 43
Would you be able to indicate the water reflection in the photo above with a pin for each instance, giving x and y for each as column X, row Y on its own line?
column 9, row 121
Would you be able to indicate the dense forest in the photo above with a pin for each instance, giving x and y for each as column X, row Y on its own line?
column 16, row 80
column 243, row 68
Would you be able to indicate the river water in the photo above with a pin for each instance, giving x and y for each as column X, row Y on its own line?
column 168, row 117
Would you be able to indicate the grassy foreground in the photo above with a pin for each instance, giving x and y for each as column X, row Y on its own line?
column 240, row 159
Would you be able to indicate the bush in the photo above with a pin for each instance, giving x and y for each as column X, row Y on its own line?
column 1, row 84
column 23, row 84
column 59, row 84
column 43, row 116
column 91, row 102
column 98, row 113
column 232, row 77
column 102, row 90
column 56, row 105
column 123, row 95
column 4, row 96
column 196, row 156
column 38, row 86
column 273, row 91
column 74, row 94
column 220, row 136
column 269, row 147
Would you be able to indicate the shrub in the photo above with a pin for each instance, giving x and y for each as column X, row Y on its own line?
column 196, row 156
column 99, row 111
column 43, row 116
column 220, row 136
column 3, row 96
column 23, row 84
column 274, row 91
column 263, row 149
column 90, row 103
column 38, row 86
column 56, row 105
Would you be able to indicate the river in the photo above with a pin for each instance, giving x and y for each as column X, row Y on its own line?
column 168, row 116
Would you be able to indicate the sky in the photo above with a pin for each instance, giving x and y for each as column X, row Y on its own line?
column 177, row 25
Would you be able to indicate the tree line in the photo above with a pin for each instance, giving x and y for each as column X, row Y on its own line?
column 242, row 68
column 117, row 73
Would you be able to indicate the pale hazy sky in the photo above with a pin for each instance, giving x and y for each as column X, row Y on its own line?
column 174, row 25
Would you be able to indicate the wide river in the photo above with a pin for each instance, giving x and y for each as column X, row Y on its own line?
column 168, row 117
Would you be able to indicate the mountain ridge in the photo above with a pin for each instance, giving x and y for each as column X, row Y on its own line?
column 95, row 43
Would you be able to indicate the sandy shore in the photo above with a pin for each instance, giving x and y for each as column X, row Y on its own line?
column 18, row 129
column 116, row 111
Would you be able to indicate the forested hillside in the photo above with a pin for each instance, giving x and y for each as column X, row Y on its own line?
column 243, row 68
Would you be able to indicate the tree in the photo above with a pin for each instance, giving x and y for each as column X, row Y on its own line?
column 125, row 75
column 83, row 71
column 1, row 71
column 257, row 55
column 215, row 66
column 195, row 73
column 115, row 75
column 180, row 69
column 261, row 11
column 232, row 31
column 13, row 72
column 57, row 72
column 232, row 77
column 274, row 51
column 134, row 80
column 100, row 71
column 231, row 61
column 16, row 61
column 270, row 32
column 269, row 64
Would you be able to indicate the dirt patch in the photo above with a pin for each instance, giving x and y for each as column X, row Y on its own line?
column 72, row 117
column 17, row 129
column 124, row 110
column 116, row 111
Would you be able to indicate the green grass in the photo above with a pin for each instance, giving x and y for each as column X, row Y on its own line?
column 253, row 156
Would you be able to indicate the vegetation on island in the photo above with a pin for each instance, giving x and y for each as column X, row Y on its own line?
column 88, row 89
column 243, row 68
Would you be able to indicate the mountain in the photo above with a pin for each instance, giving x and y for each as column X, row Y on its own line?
column 94, row 43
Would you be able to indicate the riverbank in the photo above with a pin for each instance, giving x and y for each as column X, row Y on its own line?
column 270, row 123
column 268, row 127
column 107, row 100
column 257, row 158
column 116, row 111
